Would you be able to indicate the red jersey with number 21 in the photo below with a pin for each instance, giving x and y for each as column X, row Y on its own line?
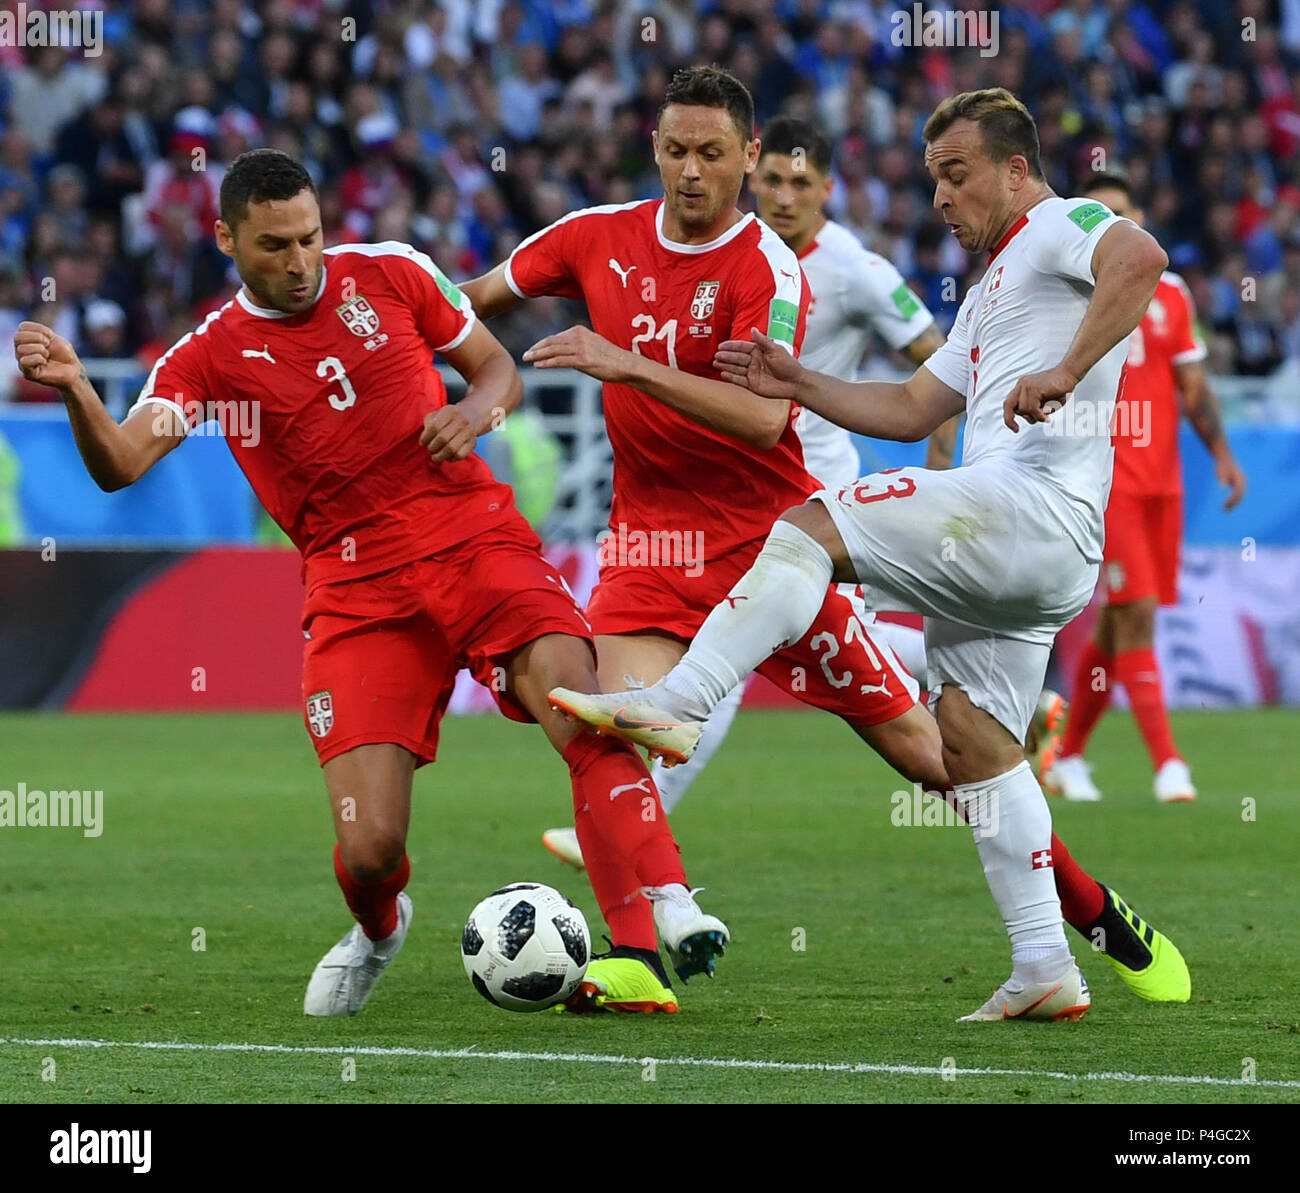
column 675, row 304
column 327, row 406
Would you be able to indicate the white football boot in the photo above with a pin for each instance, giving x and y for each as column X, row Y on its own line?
column 692, row 938
column 1173, row 784
column 563, row 842
column 1072, row 778
column 1063, row 997
column 343, row 980
column 632, row 717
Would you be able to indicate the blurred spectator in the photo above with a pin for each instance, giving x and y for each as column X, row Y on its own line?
column 48, row 93
column 464, row 125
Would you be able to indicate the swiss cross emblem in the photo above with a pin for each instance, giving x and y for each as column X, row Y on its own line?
column 320, row 713
column 706, row 294
column 1041, row 860
column 996, row 280
column 359, row 317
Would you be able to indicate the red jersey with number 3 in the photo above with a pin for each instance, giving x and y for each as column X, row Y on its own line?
column 675, row 304
column 1146, row 418
column 323, row 411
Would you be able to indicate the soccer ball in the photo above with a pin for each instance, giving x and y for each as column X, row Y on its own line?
column 525, row 947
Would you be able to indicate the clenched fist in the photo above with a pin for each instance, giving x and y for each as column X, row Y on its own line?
column 46, row 358
column 448, row 434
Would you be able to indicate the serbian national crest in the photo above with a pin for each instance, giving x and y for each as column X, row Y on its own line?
column 359, row 317
column 706, row 294
column 320, row 713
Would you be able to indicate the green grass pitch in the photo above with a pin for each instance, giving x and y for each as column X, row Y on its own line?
column 220, row 823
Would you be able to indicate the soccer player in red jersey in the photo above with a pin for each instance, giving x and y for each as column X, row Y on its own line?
column 1144, row 527
column 415, row 559
column 703, row 464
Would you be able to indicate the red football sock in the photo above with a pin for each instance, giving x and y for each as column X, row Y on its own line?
column 626, row 910
column 1139, row 672
column 610, row 779
column 623, row 832
column 373, row 904
column 1093, row 680
column 1081, row 896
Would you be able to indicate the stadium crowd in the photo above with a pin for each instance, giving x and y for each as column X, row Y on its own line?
column 462, row 126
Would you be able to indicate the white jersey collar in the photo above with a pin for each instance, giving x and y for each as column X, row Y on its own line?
column 674, row 246
column 266, row 312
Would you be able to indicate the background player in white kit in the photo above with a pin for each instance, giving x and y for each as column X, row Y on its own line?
column 855, row 293
column 998, row 554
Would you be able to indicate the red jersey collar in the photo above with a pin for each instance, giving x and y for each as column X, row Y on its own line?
column 808, row 248
column 1011, row 231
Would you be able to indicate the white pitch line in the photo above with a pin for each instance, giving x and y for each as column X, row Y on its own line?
column 596, row 1058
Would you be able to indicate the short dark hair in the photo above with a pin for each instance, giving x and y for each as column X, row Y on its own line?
column 786, row 134
column 1006, row 127
column 259, row 175
column 712, row 87
column 1107, row 180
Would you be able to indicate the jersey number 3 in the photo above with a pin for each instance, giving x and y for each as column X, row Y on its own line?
column 331, row 368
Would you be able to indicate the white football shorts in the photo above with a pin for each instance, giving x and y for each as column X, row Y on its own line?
column 977, row 552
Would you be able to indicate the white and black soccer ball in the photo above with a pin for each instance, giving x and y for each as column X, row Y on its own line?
column 525, row 947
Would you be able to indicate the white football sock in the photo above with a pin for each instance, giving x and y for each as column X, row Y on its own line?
column 673, row 781
column 1012, row 828
column 771, row 606
column 906, row 642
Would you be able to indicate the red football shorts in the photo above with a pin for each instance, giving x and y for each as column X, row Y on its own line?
column 1143, row 535
column 836, row 665
column 383, row 651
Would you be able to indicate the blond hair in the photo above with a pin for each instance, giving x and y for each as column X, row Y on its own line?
column 1006, row 127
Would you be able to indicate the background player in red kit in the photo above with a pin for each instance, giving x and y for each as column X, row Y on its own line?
column 1144, row 523
column 665, row 282
column 415, row 559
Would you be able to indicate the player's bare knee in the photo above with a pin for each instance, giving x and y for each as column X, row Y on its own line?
column 815, row 521
column 372, row 856
column 1135, row 625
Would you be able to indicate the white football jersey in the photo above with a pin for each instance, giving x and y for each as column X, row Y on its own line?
column 1020, row 319
column 853, row 292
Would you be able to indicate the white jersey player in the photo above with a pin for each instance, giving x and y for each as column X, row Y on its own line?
column 998, row 554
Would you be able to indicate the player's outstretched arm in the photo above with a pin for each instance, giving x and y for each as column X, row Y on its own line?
column 115, row 455
column 712, row 404
column 884, row 410
column 1127, row 265
column 942, row 447
column 1202, row 410
column 491, row 293
column 495, row 389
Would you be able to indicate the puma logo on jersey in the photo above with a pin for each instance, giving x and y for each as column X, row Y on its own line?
column 622, row 273
column 639, row 785
column 265, row 354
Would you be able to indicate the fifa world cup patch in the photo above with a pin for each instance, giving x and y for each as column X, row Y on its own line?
column 320, row 713
column 782, row 320
column 1090, row 215
column 358, row 316
column 905, row 301
column 706, row 294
